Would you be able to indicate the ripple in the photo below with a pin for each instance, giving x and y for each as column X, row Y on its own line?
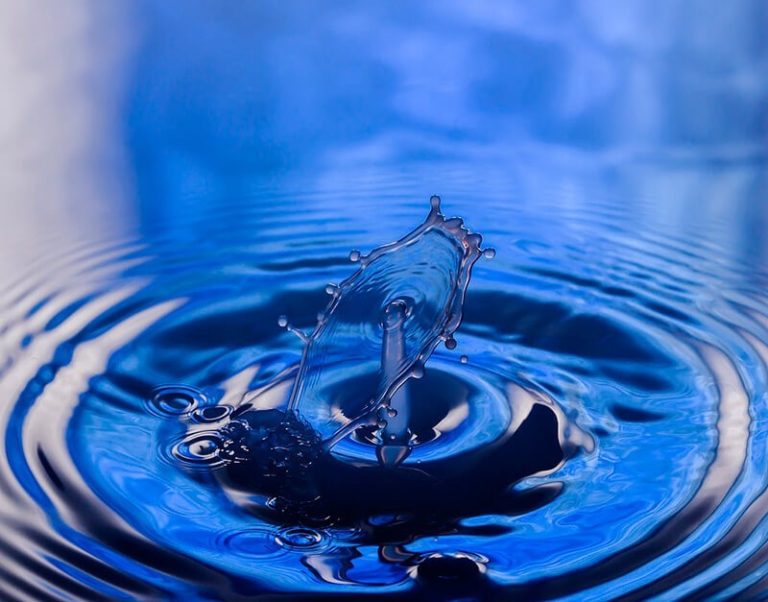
column 175, row 400
column 300, row 538
column 200, row 448
column 619, row 377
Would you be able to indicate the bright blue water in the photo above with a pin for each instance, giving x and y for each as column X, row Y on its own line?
column 614, row 154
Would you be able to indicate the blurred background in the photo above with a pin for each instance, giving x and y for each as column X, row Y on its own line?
column 126, row 117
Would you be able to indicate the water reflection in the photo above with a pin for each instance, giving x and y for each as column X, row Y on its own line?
column 64, row 172
column 657, row 109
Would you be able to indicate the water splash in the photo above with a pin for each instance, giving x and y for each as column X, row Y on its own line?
column 381, row 325
column 321, row 441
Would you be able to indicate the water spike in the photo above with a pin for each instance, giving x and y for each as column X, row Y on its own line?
column 434, row 202
column 392, row 455
column 392, row 354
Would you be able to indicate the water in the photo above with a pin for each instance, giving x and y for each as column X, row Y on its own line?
column 383, row 323
column 612, row 360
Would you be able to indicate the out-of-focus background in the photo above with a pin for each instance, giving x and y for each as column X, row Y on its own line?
column 123, row 115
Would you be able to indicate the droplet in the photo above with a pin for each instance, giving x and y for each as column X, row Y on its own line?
column 381, row 423
column 450, row 343
column 282, row 322
column 417, row 371
column 489, row 253
column 354, row 255
column 331, row 289
column 391, row 412
column 463, row 359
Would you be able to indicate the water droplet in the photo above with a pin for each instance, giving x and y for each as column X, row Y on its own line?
column 282, row 322
column 331, row 289
column 391, row 412
column 174, row 400
column 489, row 253
column 450, row 343
column 381, row 424
column 464, row 359
column 354, row 255
column 417, row 371
column 395, row 314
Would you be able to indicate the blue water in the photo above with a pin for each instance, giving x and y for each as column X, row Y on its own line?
column 180, row 175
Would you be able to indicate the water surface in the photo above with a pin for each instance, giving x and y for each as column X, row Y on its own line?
column 178, row 185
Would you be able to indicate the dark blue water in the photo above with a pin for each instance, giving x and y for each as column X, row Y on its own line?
column 181, row 175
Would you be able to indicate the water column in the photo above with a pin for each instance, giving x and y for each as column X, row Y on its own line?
column 396, row 413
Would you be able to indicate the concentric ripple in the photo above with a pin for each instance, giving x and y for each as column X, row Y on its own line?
column 641, row 354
